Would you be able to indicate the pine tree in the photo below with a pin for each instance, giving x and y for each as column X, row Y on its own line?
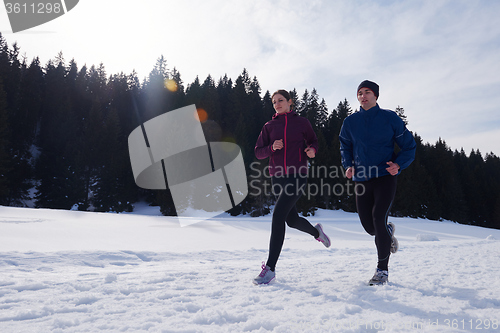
column 451, row 204
column 194, row 93
column 295, row 100
column 210, row 103
column 177, row 97
column 416, row 191
column 343, row 110
column 312, row 113
column 322, row 116
column 401, row 113
column 491, row 193
column 155, row 98
column 245, row 79
column 156, row 95
column 80, row 120
column 255, row 106
column 319, row 173
column 259, row 188
column 108, row 186
column 25, row 119
column 224, row 90
column 4, row 58
column 83, row 142
column 302, row 107
column 474, row 194
column 4, row 147
column 243, row 114
column 12, row 79
column 267, row 109
column 495, row 220
column 60, row 183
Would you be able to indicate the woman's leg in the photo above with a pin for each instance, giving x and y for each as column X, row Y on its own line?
column 293, row 220
column 284, row 210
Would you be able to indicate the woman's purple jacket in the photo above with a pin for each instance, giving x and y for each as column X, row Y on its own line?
column 297, row 135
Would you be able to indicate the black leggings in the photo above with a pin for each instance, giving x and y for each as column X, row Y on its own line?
column 288, row 190
column 373, row 209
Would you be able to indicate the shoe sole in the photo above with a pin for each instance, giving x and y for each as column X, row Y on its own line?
column 394, row 245
column 395, row 242
column 329, row 242
column 258, row 284
column 377, row 284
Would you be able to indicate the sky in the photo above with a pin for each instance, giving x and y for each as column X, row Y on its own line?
column 437, row 59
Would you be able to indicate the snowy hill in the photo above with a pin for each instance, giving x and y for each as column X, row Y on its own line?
column 69, row 271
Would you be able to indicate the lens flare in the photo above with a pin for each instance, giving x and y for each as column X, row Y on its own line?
column 201, row 115
column 171, row 85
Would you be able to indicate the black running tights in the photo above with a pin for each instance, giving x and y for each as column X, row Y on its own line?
column 374, row 203
column 288, row 190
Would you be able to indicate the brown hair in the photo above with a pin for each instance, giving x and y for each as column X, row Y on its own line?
column 283, row 93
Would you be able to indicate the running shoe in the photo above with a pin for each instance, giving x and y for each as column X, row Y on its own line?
column 381, row 277
column 323, row 238
column 395, row 244
column 266, row 276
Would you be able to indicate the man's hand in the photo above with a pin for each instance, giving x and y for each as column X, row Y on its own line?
column 349, row 172
column 393, row 168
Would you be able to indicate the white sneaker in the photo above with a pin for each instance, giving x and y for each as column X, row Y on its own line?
column 395, row 244
column 381, row 277
column 323, row 238
column 266, row 276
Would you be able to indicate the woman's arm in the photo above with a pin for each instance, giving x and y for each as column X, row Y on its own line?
column 263, row 147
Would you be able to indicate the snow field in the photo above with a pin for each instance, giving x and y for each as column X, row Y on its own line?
column 86, row 272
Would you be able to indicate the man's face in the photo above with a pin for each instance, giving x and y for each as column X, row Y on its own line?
column 367, row 98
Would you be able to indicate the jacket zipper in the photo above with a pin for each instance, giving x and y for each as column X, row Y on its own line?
column 286, row 123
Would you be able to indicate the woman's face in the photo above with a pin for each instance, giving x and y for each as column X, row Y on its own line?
column 280, row 103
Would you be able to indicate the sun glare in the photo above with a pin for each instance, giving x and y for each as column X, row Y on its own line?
column 171, row 85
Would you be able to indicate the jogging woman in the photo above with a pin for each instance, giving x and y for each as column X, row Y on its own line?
column 288, row 140
column 367, row 141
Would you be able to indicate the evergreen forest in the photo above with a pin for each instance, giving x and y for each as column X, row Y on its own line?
column 64, row 143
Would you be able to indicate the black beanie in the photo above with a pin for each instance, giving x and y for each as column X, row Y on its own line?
column 370, row 85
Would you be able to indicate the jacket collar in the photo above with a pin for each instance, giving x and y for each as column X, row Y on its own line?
column 372, row 109
column 291, row 112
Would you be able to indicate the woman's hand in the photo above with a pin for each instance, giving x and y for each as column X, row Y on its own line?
column 278, row 144
column 311, row 153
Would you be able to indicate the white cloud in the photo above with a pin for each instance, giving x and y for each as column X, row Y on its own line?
column 437, row 59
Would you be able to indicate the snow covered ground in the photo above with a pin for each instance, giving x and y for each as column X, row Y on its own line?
column 70, row 271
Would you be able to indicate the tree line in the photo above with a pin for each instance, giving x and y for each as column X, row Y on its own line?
column 64, row 143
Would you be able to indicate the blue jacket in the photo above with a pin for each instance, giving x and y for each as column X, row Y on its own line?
column 367, row 142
